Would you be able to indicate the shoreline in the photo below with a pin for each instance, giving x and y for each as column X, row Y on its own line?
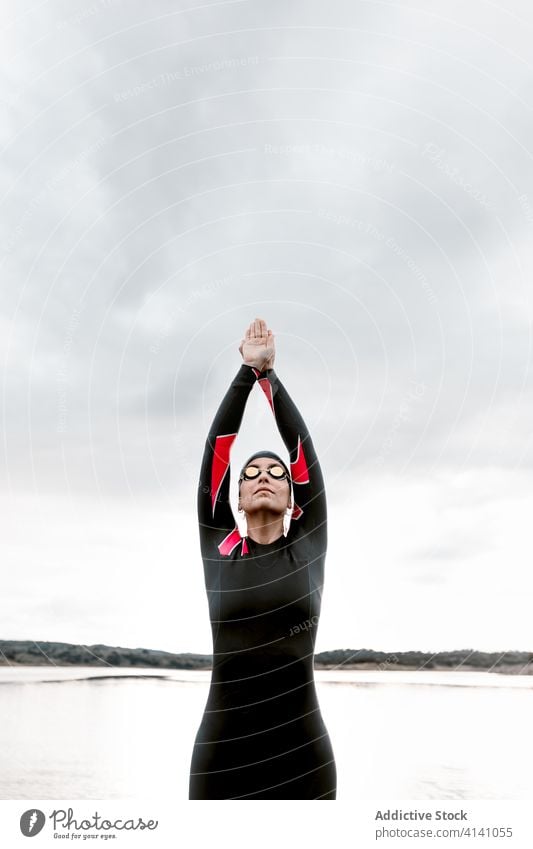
column 151, row 671
column 31, row 653
column 29, row 676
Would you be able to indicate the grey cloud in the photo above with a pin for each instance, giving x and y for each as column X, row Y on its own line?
column 363, row 215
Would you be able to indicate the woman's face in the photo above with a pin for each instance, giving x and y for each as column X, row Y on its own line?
column 264, row 492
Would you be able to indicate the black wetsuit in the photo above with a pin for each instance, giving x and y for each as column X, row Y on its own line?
column 262, row 735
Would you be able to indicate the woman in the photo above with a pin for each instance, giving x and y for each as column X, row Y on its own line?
column 262, row 735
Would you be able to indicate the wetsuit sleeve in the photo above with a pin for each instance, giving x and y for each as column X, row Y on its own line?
column 214, row 510
column 310, row 509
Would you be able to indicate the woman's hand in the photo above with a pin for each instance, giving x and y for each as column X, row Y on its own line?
column 257, row 347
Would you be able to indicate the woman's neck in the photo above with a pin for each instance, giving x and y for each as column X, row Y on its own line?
column 264, row 528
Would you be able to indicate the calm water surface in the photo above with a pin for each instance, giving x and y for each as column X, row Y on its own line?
column 79, row 733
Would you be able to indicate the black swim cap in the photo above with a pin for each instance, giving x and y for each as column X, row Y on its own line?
column 266, row 454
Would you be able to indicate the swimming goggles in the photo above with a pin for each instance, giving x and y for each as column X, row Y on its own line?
column 250, row 473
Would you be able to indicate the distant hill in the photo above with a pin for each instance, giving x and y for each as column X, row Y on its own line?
column 31, row 653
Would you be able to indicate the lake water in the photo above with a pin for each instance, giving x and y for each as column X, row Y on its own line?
column 82, row 733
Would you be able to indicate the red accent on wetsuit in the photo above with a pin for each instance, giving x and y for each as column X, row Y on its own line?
column 220, row 464
column 299, row 470
column 229, row 542
column 264, row 383
column 296, row 512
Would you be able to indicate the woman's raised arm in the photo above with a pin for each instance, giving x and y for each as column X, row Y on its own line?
column 215, row 515
column 310, row 509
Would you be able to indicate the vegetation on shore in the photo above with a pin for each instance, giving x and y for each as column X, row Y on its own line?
column 31, row 653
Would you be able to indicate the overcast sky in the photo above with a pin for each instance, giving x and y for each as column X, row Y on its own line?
column 359, row 174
